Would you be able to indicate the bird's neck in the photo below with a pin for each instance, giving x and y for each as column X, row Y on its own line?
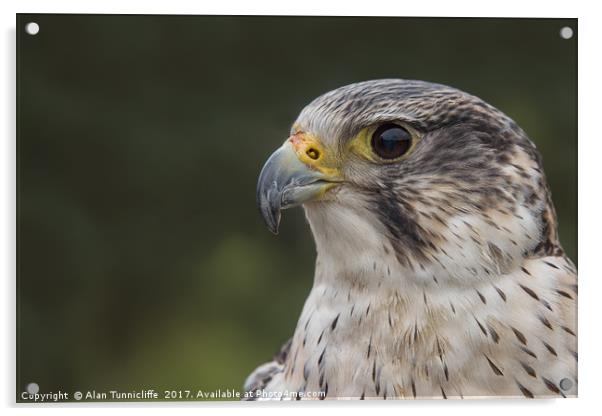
column 357, row 270
column 376, row 321
column 461, row 251
column 354, row 254
column 363, row 321
column 350, row 249
column 368, row 316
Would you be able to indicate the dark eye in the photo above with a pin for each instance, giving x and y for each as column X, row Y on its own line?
column 391, row 141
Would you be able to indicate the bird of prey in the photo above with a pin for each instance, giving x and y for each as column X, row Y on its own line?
column 439, row 273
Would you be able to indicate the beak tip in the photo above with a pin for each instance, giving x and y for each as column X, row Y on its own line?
column 269, row 208
column 273, row 221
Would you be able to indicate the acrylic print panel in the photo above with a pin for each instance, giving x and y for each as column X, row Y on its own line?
column 426, row 237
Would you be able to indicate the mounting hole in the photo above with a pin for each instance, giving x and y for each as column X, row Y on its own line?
column 566, row 32
column 32, row 28
column 32, row 388
column 566, row 384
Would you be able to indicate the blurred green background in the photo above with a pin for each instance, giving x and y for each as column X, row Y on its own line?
column 142, row 259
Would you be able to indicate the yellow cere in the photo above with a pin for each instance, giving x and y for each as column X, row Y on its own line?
column 310, row 151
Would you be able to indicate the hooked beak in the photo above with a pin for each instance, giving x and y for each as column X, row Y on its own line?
column 285, row 182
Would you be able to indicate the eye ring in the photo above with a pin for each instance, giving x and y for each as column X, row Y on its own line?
column 391, row 141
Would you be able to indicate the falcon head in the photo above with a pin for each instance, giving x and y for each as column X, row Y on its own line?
column 419, row 176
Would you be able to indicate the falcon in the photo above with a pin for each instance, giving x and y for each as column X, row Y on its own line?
column 439, row 273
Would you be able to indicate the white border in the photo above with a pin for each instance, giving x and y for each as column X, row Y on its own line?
column 590, row 152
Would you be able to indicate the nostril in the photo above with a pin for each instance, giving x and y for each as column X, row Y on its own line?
column 313, row 153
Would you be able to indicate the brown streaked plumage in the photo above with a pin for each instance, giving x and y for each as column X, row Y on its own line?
column 439, row 272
